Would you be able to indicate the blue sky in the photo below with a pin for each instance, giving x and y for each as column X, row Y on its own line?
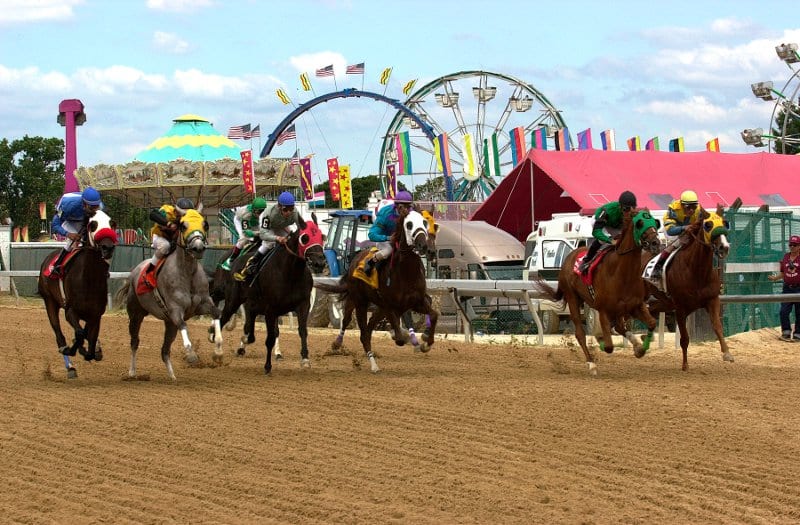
column 673, row 69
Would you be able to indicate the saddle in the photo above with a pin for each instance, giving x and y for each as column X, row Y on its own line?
column 146, row 282
column 48, row 271
column 661, row 284
column 588, row 278
column 359, row 273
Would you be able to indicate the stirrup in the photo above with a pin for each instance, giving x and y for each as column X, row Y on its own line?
column 226, row 265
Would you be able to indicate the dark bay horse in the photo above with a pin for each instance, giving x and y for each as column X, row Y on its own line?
column 617, row 287
column 692, row 282
column 283, row 284
column 181, row 292
column 82, row 292
column 401, row 287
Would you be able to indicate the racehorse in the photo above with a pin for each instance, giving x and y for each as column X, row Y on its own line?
column 401, row 286
column 283, row 284
column 692, row 282
column 181, row 292
column 82, row 292
column 616, row 289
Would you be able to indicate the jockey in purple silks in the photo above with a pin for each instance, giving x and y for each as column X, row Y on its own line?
column 384, row 226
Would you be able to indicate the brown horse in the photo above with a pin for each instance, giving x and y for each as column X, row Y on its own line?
column 616, row 289
column 82, row 292
column 401, row 287
column 692, row 282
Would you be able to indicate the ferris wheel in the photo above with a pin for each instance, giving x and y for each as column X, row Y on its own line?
column 784, row 134
column 478, row 104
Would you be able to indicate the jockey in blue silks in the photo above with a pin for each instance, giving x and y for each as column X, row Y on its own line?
column 383, row 228
column 72, row 212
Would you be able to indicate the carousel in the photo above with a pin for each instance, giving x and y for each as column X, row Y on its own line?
column 191, row 160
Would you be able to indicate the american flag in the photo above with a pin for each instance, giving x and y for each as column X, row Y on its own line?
column 288, row 133
column 326, row 71
column 295, row 158
column 256, row 132
column 357, row 69
column 239, row 132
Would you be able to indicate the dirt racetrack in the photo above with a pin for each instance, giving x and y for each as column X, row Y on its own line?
column 465, row 434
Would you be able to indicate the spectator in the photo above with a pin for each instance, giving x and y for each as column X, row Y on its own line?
column 790, row 274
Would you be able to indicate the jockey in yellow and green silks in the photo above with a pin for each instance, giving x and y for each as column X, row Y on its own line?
column 680, row 214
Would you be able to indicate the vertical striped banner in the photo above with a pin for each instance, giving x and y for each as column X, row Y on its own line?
column 676, row 145
column 491, row 157
column 305, row 178
column 562, row 140
column 391, row 176
column 713, row 144
column 403, row 146
column 470, row 167
column 539, row 138
column 441, row 150
column 635, row 143
column 607, row 139
column 517, row 145
column 652, row 144
column 585, row 139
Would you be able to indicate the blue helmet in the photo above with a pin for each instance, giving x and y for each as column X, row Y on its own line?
column 403, row 197
column 91, row 196
column 286, row 199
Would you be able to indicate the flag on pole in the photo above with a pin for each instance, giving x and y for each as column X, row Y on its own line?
column 295, row 158
column 713, row 144
column 385, row 75
column 441, row 150
column 283, row 96
column 357, row 69
column 470, row 166
column 288, row 133
column 318, row 201
column 607, row 139
column 635, row 143
column 255, row 132
column 652, row 144
column 391, row 179
column 517, row 145
column 539, row 138
column 333, row 178
column 305, row 178
column 345, row 187
column 306, row 83
column 676, row 145
column 403, row 145
column 409, row 86
column 326, row 71
column 248, row 178
column 562, row 140
column 238, row 132
column 491, row 157
column 585, row 139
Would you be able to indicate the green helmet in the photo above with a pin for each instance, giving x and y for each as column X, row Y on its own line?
column 259, row 205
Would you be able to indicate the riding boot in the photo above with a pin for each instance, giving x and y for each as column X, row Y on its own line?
column 656, row 274
column 249, row 268
column 370, row 263
column 587, row 259
column 56, row 271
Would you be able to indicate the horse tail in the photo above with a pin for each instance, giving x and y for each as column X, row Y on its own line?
column 340, row 288
column 554, row 294
column 122, row 293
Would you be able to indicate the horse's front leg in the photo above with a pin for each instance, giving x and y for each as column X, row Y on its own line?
column 248, row 332
column 170, row 332
column 92, row 335
column 680, row 320
column 366, row 329
column 53, row 308
column 347, row 318
column 302, row 330
column 643, row 314
column 80, row 334
column 432, row 317
column 271, row 321
column 605, row 341
column 713, row 309
column 207, row 307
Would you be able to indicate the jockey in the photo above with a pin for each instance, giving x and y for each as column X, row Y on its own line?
column 72, row 212
column 245, row 219
column 276, row 224
column 384, row 226
column 608, row 224
column 166, row 220
column 679, row 215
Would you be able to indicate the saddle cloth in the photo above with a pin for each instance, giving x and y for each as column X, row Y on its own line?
column 648, row 271
column 576, row 268
column 146, row 282
column 359, row 273
column 48, row 271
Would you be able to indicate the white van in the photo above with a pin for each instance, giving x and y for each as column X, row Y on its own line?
column 551, row 242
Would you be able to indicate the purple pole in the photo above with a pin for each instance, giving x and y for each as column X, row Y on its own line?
column 70, row 115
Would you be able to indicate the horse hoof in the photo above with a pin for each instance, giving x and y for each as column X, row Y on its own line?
column 68, row 351
column 639, row 352
column 278, row 357
column 608, row 349
column 728, row 357
column 267, row 370
column 424, row 348
column 217, row 358
column 72, row 373
column 240, row 352
column 305, row 363
column 98, row 355
column 336, row 347
column 192, row 358
column 400, row 342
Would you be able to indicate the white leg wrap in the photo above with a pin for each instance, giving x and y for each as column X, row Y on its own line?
column 187, row 344
column 217, row 337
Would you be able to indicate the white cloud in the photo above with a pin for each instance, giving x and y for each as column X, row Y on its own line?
column 118, row 79
column 194, row 82
column 21, row 11
column 170, row 43
column 178, row 6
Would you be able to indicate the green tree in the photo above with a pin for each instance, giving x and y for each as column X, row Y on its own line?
column 792, row 142
column 362, row 188
column 432, row 190
column 31, row 171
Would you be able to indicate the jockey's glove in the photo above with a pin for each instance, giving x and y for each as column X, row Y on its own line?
column 249, row 234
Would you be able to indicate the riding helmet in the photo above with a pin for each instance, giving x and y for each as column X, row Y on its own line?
column 259, row 204
column 403, row 197
column 627, row 198
column 688, row 197
column 91, row 196
column 286, row 199
column 185, row 204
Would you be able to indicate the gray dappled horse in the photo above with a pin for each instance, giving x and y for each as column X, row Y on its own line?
column 181, row 293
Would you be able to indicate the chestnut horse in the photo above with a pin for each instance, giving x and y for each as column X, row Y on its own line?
column 616, row 290
column 401, row 287
column 690, row 281
column 82, row 292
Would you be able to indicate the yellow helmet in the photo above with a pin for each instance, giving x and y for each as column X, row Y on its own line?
column 688, row 197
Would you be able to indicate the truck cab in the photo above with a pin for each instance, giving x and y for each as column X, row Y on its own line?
column 348, row 232
column 548, row 245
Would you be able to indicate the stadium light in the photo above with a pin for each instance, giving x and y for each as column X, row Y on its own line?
column 788, row 53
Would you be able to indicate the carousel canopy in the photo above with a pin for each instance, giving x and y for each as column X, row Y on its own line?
column 191, row 160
